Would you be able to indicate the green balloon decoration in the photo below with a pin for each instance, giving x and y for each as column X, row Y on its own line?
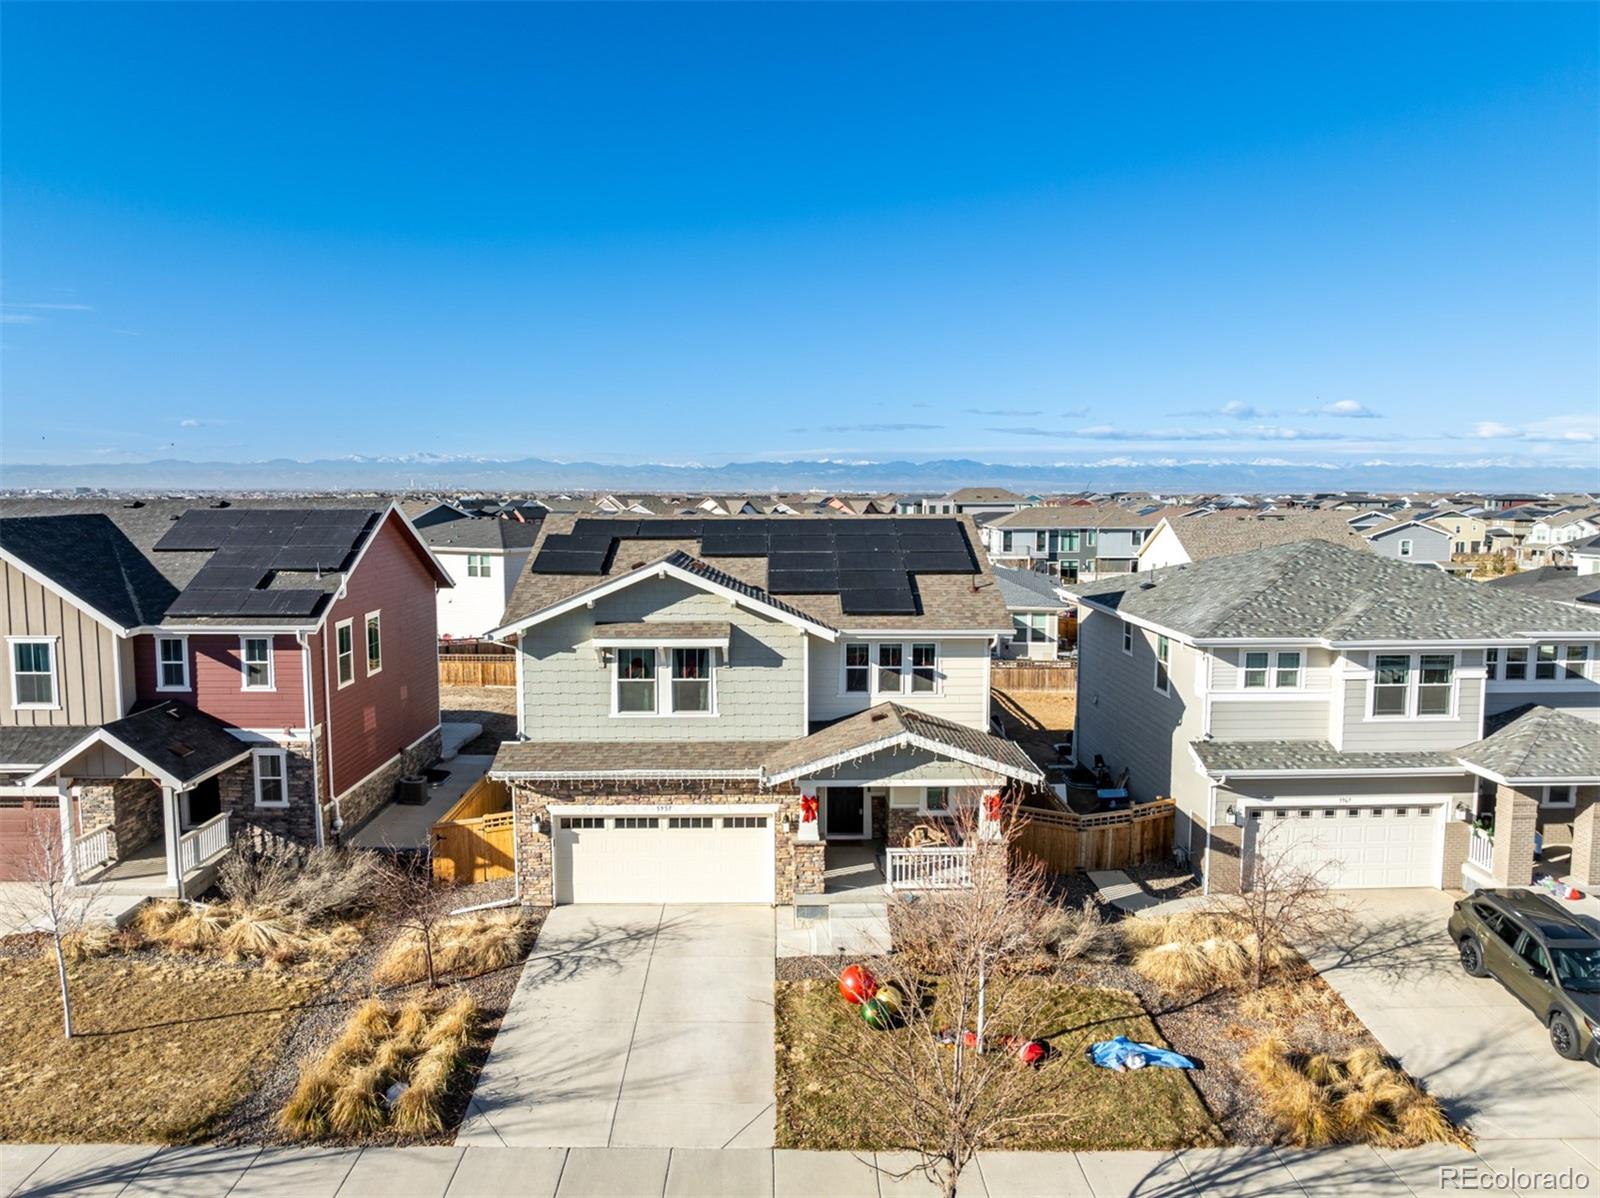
column 883, row 1010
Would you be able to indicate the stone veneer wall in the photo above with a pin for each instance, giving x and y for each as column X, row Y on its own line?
column 294, row 824
column 362, row 801
column 132, row 806
column 532, row 802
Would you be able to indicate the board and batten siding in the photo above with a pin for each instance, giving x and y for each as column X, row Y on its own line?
column 760, row 689
column 86, row 657
column 906, row 766
column 963, row 696
column 1360, row 734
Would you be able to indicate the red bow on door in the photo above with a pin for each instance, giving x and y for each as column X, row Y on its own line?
column 991, row 806
column 808, row 809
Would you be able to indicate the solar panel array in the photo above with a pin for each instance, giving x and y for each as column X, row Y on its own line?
column 249, row 546
column 869, row 564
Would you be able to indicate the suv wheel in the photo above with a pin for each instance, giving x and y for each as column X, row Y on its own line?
column 1472, row 956
column 1563, row 1036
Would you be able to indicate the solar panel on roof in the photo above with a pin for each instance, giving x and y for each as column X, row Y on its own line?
column 197, row 531
column 669, row 530
column 939, row 561
column 737, row 545
column 810, row 560
column 889, row 559
column 877, row 601
column 802, row 582
column 557, row 561
column 296, row 602
column 229, row 578
column 310, row 557
column 872, row 580
column 606, row 528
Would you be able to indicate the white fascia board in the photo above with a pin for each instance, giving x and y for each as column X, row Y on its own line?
column 938, row 748
column 619, row 775
column 563, row 810
column 101, row 736
column 1149, row 625
column 666, row 642
column 55, row 588
column 1504, row 780
column 884, row 634
column 660, row 570
column 1431, row 771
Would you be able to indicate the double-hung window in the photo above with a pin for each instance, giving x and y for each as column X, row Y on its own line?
column 477, row 565
column 1005, row 542
column 1391, row 684
column 344, row 650
column 924, row 668
column 33, row 672
column 1040, row 541
column 1255, row 670
column 1436, row 684
column 691, row 680
column 890, row 671
column 1544, row 667
column 1405, row 547
column 636, row 681
column 857, row 669
column 936, row 800
column 1069, row 540
column 272, row 778
column 1577, row 656
column 1516, row 665
column 172, row 663
column 1127, row 638
column 255, row 663
column 374, row 642
column 1491, row 664
column 1163, row 680
column 1286, row 676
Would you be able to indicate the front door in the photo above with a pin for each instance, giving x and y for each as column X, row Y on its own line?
column 847, row 814
column 205, row 802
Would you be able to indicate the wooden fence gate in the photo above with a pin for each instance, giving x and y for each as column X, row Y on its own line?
column 476, row 840
column 1106, row 840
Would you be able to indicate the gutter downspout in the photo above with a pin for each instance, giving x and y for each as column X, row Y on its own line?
column 327, row 722
column 311, row 732
column 516, row 874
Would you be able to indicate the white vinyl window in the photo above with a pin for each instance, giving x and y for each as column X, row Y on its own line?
column 478, row 565
column 636, row 681
column 1163, row 680
column 891, row 675
column 1404, row 686
column 1405, row 547
column 374, row 642
column 255, row 663
column 1127, row 638
column 272, row 777
column 924, row 668
column 691, row 680
column 1436, row 684
column 1255, row 670
column 1391, row 685
column 1577, row 656
column 1287, row 674
column 1516, row 665
column 1544, row 667
column 936, row 800
column 1491, row 664
column 1559, row 796
column 33, row 672
column 857, row 669
column 172, row 663
column 344, row 648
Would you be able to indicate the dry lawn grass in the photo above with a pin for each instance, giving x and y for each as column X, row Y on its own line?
column 421, row 1047
column 1320, row 1099
column 1151, row 1108
column 463, row 945
column 164, row 1047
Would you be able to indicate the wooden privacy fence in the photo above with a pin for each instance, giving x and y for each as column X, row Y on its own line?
column 1106, row 840
column 477, row 669
column 1024, row 675
column 475, row 841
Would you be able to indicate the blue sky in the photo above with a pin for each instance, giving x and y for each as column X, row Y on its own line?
column 701, row 234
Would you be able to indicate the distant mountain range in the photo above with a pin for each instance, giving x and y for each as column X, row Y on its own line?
column 425, row 472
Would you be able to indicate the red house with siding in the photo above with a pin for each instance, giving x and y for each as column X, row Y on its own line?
column 180, row 675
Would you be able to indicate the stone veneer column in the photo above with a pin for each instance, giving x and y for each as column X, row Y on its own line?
column 1515, row 817
column 1586, row 840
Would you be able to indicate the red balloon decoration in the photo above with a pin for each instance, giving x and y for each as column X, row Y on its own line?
column 856, row 984
column 1031, row 1052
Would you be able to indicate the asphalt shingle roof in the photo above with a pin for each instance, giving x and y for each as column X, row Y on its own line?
column 1254, row 756
column 1562, row 584
column 1215, row 534
column 1028, row 589
column 481, row 532
column 34, row 746
column 890, row 723
column 535, row 759
column 1314, row 589
column 1537, row 742
column 1080, row 515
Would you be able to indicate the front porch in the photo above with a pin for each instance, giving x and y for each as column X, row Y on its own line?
column 148, row 870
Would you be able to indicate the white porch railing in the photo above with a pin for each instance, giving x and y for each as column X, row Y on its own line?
column 1480, row 851
column 205, row 842
column 92, row 850
column 929, row 869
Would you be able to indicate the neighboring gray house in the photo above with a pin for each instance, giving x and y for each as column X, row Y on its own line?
column 1352, row 706
column 485, row 556
column 1071, row 541
column 1038, row 613
column 976, row 501
column 1563, row 584
column 1412, row 541
column 707, row 708
column 1194, row 537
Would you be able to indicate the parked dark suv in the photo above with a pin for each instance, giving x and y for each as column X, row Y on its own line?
column 1543, row 955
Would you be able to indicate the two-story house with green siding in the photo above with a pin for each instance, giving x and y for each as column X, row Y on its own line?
column 1390, row 726
column 708, row 708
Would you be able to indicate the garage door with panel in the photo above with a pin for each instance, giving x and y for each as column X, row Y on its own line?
column 1352, row 846
column 692, row 857
column 23, row 822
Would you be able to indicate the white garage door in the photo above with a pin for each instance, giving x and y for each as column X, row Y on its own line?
column 1359, row 846
column 694, row 857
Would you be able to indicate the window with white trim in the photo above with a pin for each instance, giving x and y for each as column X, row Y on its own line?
column 374, row 642
column 1406, row 686
column 1391, row 685
column 255, row 663
column 478, row 565
column 636, row 681
column 33, row 672
column 924, row 668
column 1405, row 547
column 1559, row 796
column 1491, row 664
column 936, row 800
column 1279, row 670
column 1575, row 658
column 857, row 669
column 1163, row 680
column 691, row 680
column 344, row 651
column 172, row 663
column 891, row 675
column 1436, row 684
column 1544, row 667
column 1127, row 638
column 1040, row 539
column 1005, row 542
column 272, row 777
column 1516, row 669
column 1286, row 674
column 1256, row 667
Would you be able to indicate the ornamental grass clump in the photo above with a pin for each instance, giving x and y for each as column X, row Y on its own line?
column 418, row 1047
column 1322, row 1099
column 465, row 945
column 1199, row 951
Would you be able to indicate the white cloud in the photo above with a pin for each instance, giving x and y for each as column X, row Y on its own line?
column 17, row 318
column 1552, row 430
column 1108, row 432
column 1348, row 408
column 1001, row 411
column 1493, row 428
column 188, row 423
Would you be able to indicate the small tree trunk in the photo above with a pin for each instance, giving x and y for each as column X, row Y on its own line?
column 66, row 994
column 427, row 953
column 948, row 1187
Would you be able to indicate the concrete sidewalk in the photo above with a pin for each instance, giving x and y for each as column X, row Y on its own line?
column 41, row 1169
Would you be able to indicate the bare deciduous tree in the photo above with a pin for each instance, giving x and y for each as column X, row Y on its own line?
column 1287, row 904
column 975, row 967
column 413, row 895
column 49, row 903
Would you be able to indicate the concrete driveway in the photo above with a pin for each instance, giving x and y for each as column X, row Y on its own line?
column 1476, row 1048
column 636, row 1027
